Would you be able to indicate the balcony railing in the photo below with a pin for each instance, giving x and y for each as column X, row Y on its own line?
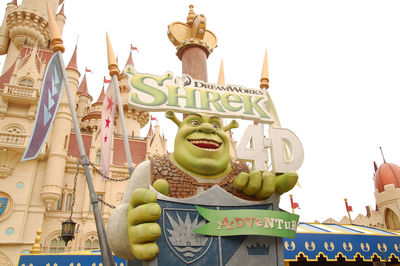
column 12, row 139
column 20, row 93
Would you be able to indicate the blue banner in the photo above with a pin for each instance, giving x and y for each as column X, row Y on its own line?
column 50, row 95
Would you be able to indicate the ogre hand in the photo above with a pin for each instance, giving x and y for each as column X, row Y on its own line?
column 142, row 229
column 264, row 184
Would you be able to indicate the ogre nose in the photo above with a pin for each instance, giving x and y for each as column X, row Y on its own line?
column 207, row 128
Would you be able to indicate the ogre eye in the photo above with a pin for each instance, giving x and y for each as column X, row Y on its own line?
column 194, row 123
column 216, row 125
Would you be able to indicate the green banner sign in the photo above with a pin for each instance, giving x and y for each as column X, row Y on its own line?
column 247, row 222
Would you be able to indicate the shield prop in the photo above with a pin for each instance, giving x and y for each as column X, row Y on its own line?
column 179, row 245
column 3, row 205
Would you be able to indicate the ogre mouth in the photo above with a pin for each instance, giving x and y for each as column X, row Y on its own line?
column 206, row 144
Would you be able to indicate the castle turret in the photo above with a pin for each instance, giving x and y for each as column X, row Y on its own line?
column 57, row 152
column 134, row 119
column 25, row 24
column 387, row 193
column 84, row 99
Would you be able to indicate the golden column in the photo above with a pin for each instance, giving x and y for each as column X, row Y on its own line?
column 194, row 43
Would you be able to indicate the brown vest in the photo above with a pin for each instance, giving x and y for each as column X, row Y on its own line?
column 182, row 185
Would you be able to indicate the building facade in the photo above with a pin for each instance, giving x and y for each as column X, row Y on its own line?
column 40, row 193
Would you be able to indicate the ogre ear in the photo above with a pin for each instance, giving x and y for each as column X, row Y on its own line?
column 171, row 115
column 232, row 124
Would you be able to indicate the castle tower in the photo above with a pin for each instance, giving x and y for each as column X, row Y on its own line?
column 84, row 99
column 26, row 24
column 134, row 119
column 57, row 153
column 387, row 194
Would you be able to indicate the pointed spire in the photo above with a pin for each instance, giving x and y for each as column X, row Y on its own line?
column 83, row 88
column 73, row 62
column 221, row 76
column 112, row 63
column 264, row 74
column 101, row 97
column 130, row 60
column 150, row 133
column 62, row 10
column 55, row 36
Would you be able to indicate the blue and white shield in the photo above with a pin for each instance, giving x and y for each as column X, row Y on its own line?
column 3, row 205
column 179, row 245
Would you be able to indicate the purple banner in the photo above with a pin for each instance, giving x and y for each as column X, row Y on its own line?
column 50, row 95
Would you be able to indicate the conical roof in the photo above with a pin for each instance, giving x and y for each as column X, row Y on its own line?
column 83, row 89
column 73, row 62
column 130, row 60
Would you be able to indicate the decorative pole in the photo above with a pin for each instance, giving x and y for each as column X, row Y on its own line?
column 348, row 209
column 194, row 43
column 114, row 72
column 58, row 47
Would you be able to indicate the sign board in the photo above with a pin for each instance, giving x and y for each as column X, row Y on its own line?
column 188, row 95
column 179, row 243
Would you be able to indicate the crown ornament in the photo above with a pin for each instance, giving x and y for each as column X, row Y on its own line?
column 192, row 33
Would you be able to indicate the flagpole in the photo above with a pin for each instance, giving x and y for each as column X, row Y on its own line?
column 113, row 67
column 347, row 209
column 58, row 48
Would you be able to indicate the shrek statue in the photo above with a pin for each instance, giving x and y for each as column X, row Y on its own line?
column 201, row 159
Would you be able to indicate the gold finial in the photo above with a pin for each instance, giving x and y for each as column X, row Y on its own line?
column 264, row 74
column 192, row 33
column 55, row 36
column 36, row 248
column 112, row 63
column 221, row 76
column 190, row 16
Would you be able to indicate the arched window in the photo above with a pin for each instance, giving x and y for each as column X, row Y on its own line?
column 92, row 243
column 391, row 220
column 68, row 202
column 26, row 82
column 57, row 245
column 59, row 202
column 98, row 156
column 14, row 133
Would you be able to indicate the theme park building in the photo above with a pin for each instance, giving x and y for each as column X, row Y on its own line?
column 39, row 193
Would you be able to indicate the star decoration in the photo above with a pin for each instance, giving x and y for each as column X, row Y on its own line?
column 108, row 122
column 110, row 103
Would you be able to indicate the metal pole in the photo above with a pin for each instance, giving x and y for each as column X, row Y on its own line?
column 122, row 118
column 106, row 253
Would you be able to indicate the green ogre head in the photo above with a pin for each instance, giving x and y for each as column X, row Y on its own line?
column 201, row 145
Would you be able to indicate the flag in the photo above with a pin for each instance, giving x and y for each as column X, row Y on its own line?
column 152, row 118
column 348, row 207
column 88, row 70
column 50, row 95
column 294, row 204
column 134, row 48
column 107, row 127
column 106, row 80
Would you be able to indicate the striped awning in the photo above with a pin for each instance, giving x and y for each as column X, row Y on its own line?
column 349, row 242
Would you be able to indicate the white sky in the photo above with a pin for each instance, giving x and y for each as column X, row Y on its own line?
column 334, row 76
